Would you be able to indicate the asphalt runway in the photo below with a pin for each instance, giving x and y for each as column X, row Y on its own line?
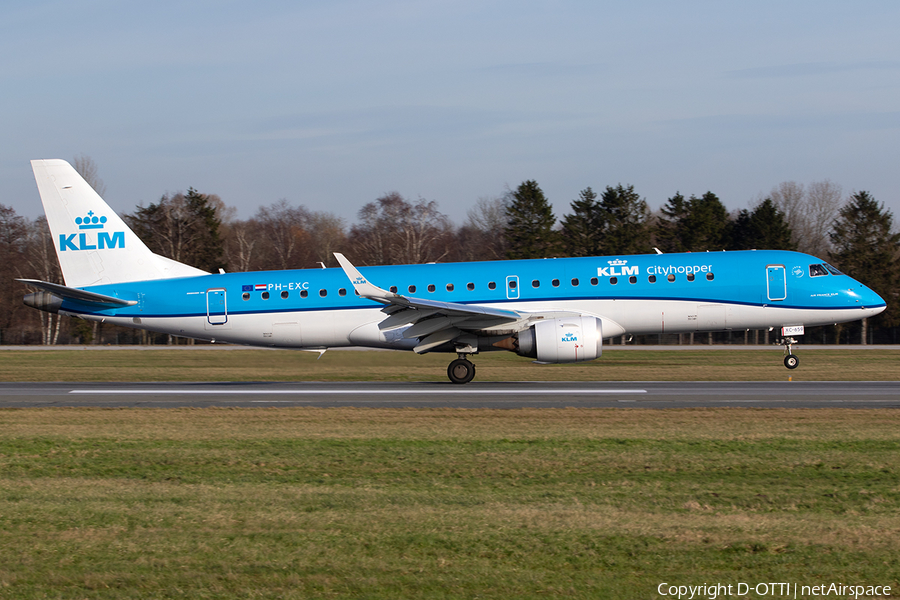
column 509, row 395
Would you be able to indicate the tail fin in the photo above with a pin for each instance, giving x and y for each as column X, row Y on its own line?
column 93, row 244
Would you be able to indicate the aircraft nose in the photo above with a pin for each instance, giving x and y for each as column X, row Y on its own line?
column 871, row 300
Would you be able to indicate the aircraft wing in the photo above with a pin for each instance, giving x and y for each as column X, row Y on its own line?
column 434, row 323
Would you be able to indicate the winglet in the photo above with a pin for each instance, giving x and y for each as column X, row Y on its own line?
column 360, row 284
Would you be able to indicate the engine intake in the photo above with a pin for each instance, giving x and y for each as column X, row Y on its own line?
column 562, row 340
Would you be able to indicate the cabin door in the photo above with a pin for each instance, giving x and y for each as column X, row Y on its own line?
column 776, row 283
column 216, row 309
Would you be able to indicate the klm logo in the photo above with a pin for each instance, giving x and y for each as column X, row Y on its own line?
column 359, row 281
column 569, row 337
column 616, row 268
column 81, row 241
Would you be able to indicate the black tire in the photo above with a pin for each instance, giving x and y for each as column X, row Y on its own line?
column 461, row 371
column 791, row 361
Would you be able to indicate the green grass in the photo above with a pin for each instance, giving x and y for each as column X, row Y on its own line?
column 197, row 364
column 348, row 503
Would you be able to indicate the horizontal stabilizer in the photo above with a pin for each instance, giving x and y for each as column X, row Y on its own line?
column 68, row 293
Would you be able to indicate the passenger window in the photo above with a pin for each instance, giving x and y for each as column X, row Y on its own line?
column 342, row 292
column 304, row 293
column 574, row 283
column 817, row 270
column 594, row 281
column 710, row 276
column 412, row 289
column 613, row 280
column 393, row 289
column 284, row 295
column 535, row 284
column 246, row 296
column 652, row 279
column 690, row 276
column 265, row 295
column 431, row 287
column 632, row 279
column 512, row 284
column 555, row 283
column 470, row 286
column 671, row 277
column 450, row 287
column 323, row 293
column 492, row 286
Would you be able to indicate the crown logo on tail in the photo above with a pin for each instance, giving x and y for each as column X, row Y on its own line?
column 91, row 221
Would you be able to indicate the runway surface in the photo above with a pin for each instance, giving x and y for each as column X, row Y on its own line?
column 509, row 395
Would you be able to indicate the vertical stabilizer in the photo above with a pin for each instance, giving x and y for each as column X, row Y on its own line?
column 93, row 244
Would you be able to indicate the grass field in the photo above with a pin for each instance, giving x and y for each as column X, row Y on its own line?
column 347, row 503
column 199, row 364
column 372, row 503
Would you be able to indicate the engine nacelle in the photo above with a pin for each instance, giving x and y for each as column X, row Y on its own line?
column 568, row 339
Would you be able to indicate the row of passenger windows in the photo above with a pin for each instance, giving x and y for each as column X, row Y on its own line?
column 536, row 283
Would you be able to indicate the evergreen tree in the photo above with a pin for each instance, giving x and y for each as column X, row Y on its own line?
column 707, row 224
column 582, row 231
column 183, row 228
column 529, row 229
column 765, row 228
column 867, row 249
column 693, row 225
column 667, row 231
column 625, row 222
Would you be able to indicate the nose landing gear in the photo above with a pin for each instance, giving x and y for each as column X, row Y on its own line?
column 461, row 370
column 791, row 360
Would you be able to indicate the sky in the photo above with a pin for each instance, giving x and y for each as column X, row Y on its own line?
column 332, row 104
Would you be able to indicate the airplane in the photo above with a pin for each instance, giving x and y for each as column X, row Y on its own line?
column 555, row 310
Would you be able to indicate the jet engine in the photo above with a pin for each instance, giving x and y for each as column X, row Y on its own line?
column 561, row 340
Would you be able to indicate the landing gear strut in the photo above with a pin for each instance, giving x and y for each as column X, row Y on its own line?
column 791, row 360
column 461, row 370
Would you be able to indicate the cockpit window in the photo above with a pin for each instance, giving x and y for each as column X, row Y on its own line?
column 832, row 270
column 817, row 270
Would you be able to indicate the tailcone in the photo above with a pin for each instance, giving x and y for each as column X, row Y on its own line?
column 44, row 301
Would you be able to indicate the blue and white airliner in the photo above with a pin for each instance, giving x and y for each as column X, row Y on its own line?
column 552, row 310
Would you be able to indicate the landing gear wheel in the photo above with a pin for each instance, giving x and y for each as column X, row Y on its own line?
column 461, row 371
column 791, row 361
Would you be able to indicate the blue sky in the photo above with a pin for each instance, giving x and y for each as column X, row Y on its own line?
column 332, row 104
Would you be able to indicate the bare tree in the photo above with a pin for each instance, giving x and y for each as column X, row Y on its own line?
column 283, row 235
column 327, row 235
column 809, row 211
column 87, row 168
column 481, row 236
column 395, row 231
column 42, row 263
column 823, row 203
column 240, row 240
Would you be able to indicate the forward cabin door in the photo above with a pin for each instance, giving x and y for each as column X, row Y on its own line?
column 776, row 282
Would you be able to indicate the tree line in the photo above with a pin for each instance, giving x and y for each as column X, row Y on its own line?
column 856, row 234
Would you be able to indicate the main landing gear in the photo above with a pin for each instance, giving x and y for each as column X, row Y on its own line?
column 461, row 370
column 791, row 360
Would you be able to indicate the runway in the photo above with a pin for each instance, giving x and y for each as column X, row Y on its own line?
column 499, row 395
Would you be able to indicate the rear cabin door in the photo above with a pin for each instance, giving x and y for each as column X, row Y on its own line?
column 216, row 309
column 776, row 283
